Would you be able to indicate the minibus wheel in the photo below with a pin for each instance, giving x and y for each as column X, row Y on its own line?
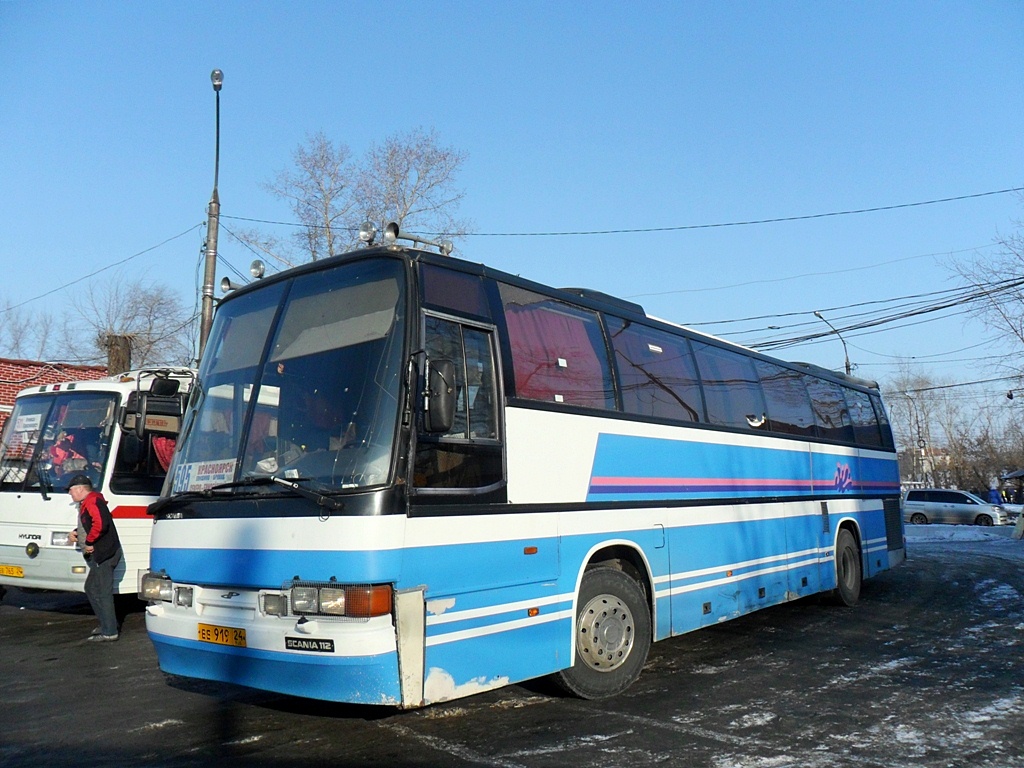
column 612, row 634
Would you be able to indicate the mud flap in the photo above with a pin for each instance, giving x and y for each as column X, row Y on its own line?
column 410, row 629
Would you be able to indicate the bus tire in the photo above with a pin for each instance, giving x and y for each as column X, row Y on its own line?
column 849, row 573
column 612, row 634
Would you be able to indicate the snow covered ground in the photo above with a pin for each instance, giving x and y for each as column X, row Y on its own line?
column 996, row 539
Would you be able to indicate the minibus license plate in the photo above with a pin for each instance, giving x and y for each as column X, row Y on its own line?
column 12, row 570
column 210, row 633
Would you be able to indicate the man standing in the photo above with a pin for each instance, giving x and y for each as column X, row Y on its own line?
column 101, row 548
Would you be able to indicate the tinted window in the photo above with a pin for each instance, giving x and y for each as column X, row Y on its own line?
column 558, row 351
column 657, row 374
column 447, row 289
column 789, row 406
column 732, row 392
column 883, row 422
column 829, row 406
column 862, row 414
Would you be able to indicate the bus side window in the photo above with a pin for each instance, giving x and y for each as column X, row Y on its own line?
column 732, row 390
column 830, row 412
column 789, row 405
column 558, row 351
column 862, row 414
column 469, row 455
column 656, row 373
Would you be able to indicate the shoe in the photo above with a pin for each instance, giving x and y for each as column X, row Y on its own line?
column 99, row 638
column 95, row 632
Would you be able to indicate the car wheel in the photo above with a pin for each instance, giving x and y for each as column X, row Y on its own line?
column 983, row 520
column 848, row 570
column 918, row 519
column 612, row 635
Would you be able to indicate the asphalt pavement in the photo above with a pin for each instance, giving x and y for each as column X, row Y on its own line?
column 925, row 671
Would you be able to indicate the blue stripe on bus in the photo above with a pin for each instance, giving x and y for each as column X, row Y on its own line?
column 641, row 468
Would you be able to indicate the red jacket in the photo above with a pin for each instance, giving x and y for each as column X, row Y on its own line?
column 99, row 528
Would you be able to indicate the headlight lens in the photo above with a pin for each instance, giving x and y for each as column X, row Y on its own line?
column 60, row 539
column 275, row 605
column 156, row 588
column 332, row 601
column 304, row 599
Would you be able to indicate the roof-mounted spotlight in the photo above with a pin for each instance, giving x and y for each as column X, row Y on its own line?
column 227, row 286
column 393, row 234
column 257, row 269
column 368, row 232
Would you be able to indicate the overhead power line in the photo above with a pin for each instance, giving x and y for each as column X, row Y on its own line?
column 681, row 227
column 102, row 269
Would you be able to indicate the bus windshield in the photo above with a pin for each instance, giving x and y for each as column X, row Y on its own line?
column 301, row 381
column 50, row 438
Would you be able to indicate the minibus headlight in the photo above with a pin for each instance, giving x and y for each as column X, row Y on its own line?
column 60, row 539
column 304, row 599
column 332, row 601
column 156, row 588
column 183, row 597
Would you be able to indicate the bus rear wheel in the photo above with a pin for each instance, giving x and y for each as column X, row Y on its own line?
column 848, row 570
column 612, row 635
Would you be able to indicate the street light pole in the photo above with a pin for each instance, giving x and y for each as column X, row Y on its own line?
column 921, row 442
column 846, row 354
column 212, row 224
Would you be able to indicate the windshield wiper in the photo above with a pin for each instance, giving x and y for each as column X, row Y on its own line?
column 321, row 499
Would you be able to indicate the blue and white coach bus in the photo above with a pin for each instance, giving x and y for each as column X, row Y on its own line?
column 405, row 478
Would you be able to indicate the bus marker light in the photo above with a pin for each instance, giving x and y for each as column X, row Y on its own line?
column 531, row 612
column 183, row 597
column 275, row 605
column 78, row 569
column 529, row 550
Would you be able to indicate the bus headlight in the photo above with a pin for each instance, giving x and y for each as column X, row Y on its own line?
column 60, row 539
column 321, row 599
column 304, row 599
column 156, row 588
column 183, row 597
column 332, row 601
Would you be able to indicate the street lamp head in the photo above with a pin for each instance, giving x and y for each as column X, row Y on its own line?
column 217, row 78
column 817, row 314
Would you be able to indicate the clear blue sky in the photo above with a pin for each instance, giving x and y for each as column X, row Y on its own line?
column 575, row 117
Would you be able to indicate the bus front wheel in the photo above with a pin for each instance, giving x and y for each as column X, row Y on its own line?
column 848, row 570
column 612, row 635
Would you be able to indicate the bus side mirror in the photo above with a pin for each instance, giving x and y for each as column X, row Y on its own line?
column 140, row 415
column 439, row 413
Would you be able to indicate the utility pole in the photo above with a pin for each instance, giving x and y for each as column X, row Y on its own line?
column 212, row 224
column 846, row 354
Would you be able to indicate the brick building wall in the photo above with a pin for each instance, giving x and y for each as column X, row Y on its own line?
column 16, row 375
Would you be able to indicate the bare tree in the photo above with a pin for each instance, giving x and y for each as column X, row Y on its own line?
column 1001, row 278
column 152, row 316
column 25, row 334
column 409, row 179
